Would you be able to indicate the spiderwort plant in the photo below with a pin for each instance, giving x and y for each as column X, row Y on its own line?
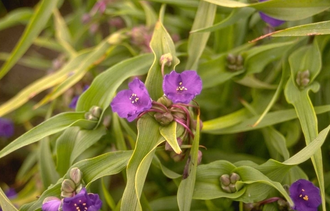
column 75, row 197
column 305, row 195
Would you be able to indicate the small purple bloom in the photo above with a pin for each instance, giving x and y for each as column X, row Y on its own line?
column 130, row 103
column 51, row 204
column 6, row 128
column 83, row 202
column 271, row 21
column 305, row 195
column 11, row 193
column 182, row 87
column 74, row 100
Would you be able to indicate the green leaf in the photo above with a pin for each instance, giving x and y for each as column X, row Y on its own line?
column 40, row 85
column 311, row 29
column 64, row 146
column 169, row 134
column 47, row 169
column 5, row 203
column 215, row 126
column 85, row 139
column 99, row 95
column 167, row 172
column 151, row 17
column 37, row 23
column 148, row 139
column 51, row 126
column 307, row 58
column 234, row 17
column 62, row 34
column 187, row 185
column 197, row 41
column 103, row 165
column 160, row 44
column 281, row 9
column 15, row 17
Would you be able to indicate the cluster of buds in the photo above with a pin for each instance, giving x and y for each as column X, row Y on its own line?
column 72, row 185
column 94, row 113
column 235, row 62
column 228, row 182
column 302, row 79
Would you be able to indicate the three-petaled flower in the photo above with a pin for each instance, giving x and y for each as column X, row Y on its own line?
column 6, row 128
column 271, row 21
column 130, row 103
column 83, row 201
column 305, row 195
column 182, row 87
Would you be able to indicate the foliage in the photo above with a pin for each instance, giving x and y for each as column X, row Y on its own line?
column 258, row 119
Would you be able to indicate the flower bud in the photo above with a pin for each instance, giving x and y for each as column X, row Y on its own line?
column 68, row 186
column 66, row 194
column 96, row 111
column 164, row 118
column 76, row 175
column 235, row 63
column 199, row 159
column 302, row 78
column 165, row 101
column 90, row 116
column 226, row 188
column 234, row 178
column 232, row 188
column 166, row 59
column 283, row 205
column 225, row 179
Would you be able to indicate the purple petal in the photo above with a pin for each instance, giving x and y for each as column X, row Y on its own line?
column 73, row 103
column 130, row 103
column 6, row 128
column 271, row 21
column 182, row 87
column 11, row 193
column 82, row 201
column 305, row 195
column 51, row 204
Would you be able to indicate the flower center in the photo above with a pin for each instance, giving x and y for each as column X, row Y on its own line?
column 80, row 206
column 181, row 88
column 134, row 98
column 303, row 196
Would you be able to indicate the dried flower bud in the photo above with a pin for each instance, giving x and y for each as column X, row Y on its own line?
column 164, row 118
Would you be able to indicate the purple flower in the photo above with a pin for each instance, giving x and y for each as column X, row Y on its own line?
column 305, row 195
column 74, row 100
column 182, row 87
column 11, row 193
column 83, row 202
column 130, row 103
column 51, row 204
column 6, row 128
column 271, row 21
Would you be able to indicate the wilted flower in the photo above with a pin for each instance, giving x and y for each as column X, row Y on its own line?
column 271, row 21
column 83, row 201
column 6, row 128
column 305, row 195
column 130, row 103
column 182, row 87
